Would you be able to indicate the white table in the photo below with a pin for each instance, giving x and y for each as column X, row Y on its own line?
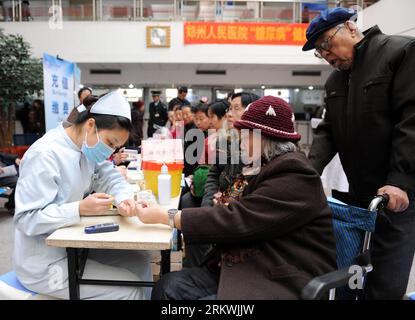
column 132, row 235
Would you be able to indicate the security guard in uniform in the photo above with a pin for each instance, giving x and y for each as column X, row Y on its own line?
column 158, row 114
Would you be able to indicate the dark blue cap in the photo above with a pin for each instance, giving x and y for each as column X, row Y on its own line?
column 326, row 20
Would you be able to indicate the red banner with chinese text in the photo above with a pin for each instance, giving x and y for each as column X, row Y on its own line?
column 245, row 33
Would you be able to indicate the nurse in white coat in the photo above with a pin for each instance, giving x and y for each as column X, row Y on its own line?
column 57, row 175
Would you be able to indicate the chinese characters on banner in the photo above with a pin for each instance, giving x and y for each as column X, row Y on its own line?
column 59, row 81
column 245, row 33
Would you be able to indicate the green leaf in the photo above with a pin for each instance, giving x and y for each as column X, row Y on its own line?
column 20, row 74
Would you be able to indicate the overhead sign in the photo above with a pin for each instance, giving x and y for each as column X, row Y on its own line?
column 245, row 33
column 59, row 77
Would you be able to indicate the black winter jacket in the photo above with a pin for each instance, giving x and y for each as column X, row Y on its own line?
column 370, row 117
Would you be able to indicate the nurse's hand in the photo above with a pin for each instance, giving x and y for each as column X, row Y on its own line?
column 151, row 213
column 95, row 204
column 127, row 208
column 120, row 156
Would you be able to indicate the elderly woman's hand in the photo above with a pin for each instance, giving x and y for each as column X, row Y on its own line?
column 151, row 214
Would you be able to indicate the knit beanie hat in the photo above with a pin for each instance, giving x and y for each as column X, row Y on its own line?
column 273, row 116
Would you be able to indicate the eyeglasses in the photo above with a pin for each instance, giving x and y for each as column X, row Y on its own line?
column 325, row 45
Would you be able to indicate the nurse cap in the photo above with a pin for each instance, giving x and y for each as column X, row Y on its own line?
column 113, row 104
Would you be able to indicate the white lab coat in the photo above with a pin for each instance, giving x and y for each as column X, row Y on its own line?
column 54, row 176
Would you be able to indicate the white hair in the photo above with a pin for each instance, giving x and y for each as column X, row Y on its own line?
column 272, row 148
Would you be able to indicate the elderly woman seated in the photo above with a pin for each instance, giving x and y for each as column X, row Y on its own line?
column 271, row 239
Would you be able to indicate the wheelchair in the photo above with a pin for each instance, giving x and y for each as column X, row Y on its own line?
column 353, row 228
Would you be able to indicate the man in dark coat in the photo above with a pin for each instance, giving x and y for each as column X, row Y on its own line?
column 158, row 114
column 137, row 121
column 273, row 239
column 370, row 122
column 180, row 99
column 38, row 108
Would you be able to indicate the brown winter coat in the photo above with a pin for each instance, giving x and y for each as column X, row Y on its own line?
column 275, row 239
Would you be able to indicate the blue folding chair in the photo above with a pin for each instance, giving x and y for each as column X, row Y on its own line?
column 5, row 192
column 353, row 229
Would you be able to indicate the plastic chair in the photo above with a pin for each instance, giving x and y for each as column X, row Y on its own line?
column 12, row 289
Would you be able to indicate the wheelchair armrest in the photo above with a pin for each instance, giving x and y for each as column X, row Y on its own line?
column 318, row 286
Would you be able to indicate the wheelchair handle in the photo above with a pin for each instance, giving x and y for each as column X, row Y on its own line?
column 379, row 202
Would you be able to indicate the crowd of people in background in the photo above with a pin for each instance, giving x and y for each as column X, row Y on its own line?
column 250, row 232
column 32, row 117
column 6, row 11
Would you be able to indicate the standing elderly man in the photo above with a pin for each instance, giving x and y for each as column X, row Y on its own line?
column 180, row 99
column 370, row 122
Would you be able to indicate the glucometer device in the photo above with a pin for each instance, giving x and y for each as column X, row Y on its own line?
column 105, row 227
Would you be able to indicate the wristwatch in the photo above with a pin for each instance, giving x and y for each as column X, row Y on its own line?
column 172, row 213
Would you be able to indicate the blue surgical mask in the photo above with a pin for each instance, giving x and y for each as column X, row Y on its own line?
column 99, row 152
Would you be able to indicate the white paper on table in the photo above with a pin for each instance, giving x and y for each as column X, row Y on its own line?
column 8, row 171
column 162, row 150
